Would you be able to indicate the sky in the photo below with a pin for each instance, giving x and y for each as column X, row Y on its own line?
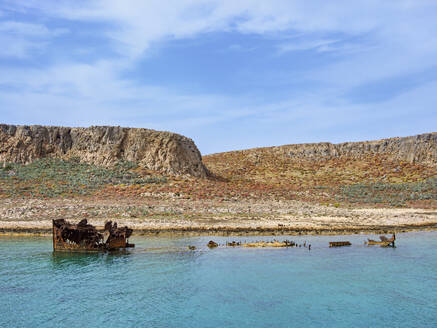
column 229, row 74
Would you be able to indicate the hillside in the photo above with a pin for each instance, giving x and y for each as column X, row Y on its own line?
column 397, row 172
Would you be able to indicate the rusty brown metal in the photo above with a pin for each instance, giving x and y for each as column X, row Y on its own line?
column 385, row 242
column 84, row 237
column 339, row 243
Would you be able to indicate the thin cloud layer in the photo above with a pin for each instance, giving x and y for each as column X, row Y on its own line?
column 293, row 70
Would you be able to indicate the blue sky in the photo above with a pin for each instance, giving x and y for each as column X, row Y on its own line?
column 228, row 74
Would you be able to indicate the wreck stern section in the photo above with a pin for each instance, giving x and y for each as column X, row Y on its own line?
column 84, row 237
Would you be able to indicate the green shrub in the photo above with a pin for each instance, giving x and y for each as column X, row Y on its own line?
column 7, row 167
column 51, row 177
column 395, row 194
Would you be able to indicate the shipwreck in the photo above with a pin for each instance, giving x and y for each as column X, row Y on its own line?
column 384, row 241
column 84, row 237
column 339, row 243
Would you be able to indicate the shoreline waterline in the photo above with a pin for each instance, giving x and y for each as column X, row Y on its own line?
column 244, row 231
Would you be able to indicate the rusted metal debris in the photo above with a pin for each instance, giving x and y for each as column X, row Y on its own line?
column 274, row 243
column 339, row 243
column 84, row 237
column 233, row 243
column 385, row 242
column 212, row 244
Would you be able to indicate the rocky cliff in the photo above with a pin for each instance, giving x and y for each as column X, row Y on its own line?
column 165, row 152
column 421, row 148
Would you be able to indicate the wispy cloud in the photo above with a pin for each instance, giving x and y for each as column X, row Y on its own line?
column 316, row 45
column 22, row 39
column 327, row 50
column 137, row 24
column 29, row 30
column 19, row 48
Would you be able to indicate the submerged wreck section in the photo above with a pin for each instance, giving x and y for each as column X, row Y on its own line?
column 385, row 242
column 339, row 243
column 84, row 237
column 274, row 243
column 259, row 244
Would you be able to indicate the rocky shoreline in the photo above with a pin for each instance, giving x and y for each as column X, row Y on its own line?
column 260, row 231
column 164, row 217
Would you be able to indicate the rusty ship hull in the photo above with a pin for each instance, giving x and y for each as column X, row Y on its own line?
column 384, row 241
column 84, row 237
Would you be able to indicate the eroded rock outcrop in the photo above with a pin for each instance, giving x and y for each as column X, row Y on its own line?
column 421, row 148
column 165, row 152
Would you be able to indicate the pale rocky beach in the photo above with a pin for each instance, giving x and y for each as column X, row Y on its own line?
column 156, row 216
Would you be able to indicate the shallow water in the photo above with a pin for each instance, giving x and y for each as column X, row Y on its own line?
column 161, row 284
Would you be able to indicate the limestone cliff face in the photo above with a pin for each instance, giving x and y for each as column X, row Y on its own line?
column 165, row 152
column 421, row 148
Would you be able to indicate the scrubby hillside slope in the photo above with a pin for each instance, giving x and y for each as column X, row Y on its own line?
column 391, row 172
column 396, row 171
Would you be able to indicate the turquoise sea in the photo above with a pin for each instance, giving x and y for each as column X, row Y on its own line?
column 162, row 284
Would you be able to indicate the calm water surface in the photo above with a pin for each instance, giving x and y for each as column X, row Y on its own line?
column 161, row 284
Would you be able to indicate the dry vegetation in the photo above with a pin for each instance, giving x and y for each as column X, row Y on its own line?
column 250, row 175
column 375, row 179
column 249, row 191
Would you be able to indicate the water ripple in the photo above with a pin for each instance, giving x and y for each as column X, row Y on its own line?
column 161, row 284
